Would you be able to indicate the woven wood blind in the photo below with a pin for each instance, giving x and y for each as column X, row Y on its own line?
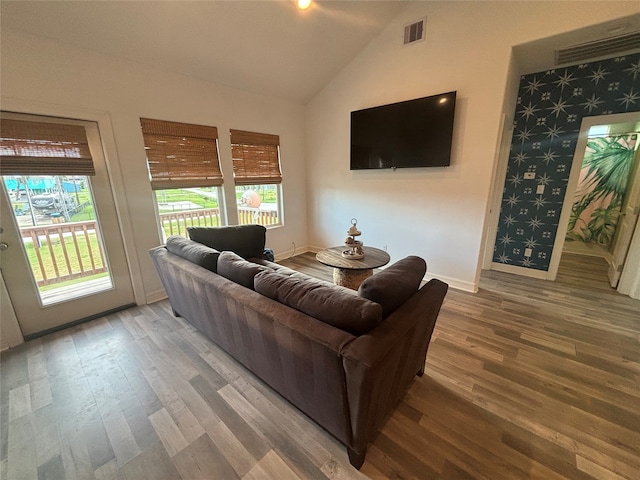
column 42, row 148
column 181, row 155
column 256, row 160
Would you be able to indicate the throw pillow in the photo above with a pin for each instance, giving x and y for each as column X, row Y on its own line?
column 245, row 240
column 395, row 284
column 193, row 251
column 237, row 269
column 327, row 303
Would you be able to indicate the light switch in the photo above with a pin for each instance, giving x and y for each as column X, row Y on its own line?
column 540, row 189
column 527, row 252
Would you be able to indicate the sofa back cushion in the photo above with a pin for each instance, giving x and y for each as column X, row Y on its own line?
column 245, row 240
column 237, row 269
column 395, row 284
column 193, row 251
column 327, row 303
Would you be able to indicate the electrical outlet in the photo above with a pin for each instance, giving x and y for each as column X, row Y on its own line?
column 529, row 175
column 528, row 252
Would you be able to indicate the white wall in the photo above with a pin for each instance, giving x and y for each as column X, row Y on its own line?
column 437, row 213
column 35, row 72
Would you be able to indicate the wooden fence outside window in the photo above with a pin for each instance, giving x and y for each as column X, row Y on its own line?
column 67, row 251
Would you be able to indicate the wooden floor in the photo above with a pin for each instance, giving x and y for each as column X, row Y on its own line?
column 526, row 379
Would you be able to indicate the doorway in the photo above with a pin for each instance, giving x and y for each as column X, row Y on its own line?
column 604, row 209
column 61, row 251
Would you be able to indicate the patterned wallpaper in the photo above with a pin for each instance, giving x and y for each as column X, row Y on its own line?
column 547, row 121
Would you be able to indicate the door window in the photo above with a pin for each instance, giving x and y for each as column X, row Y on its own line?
column 60, row 234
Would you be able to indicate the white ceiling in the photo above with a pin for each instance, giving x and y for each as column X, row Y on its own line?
column 261, row 46
column 267, row 47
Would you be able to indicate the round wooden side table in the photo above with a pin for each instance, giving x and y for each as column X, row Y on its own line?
column 348, row 272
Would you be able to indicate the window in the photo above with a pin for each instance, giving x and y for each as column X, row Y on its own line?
column 257, row 177
column 185, row 174
column 45, row 167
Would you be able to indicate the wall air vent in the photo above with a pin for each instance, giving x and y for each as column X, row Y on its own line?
column 598, row 48
column 414, row 32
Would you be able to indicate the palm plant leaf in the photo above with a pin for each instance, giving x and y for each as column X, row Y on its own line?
column 602, row 225
column 609, row 161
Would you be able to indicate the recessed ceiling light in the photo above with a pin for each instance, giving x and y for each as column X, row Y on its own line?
column 304, row 4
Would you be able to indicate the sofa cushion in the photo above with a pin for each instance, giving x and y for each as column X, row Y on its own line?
column 395, row 284
column 193, row 251
column 237, row 269
column 327, row 303
column 245, row 240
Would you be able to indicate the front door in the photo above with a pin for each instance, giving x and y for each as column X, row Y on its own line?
column 61, row 250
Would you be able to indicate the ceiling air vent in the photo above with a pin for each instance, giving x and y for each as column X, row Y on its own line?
column 414, row 32
column 598, row 48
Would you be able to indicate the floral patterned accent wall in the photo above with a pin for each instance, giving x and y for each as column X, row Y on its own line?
column 547, row 120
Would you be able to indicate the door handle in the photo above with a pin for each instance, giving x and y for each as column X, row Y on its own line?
column 4, row 245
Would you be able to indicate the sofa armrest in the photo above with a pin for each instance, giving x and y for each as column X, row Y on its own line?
column 380, row 365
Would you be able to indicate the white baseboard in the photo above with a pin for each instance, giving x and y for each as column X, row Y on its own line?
column 523, row 271
column 156, row 296
column 298, row 250
column 470, row 287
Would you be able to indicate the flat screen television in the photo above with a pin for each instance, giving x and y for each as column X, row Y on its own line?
column 413, row 133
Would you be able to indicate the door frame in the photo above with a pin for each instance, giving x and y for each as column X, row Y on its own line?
column 107, row 140
column 37, row 316
column 629, row 280
column 503, row 148
column 621, row 241
column 572, row 185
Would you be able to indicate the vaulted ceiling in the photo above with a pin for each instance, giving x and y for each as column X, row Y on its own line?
column 267, row 47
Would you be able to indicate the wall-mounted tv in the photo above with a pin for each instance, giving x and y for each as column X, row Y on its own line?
column 413, row 133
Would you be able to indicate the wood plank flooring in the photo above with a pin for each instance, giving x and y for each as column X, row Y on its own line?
column 526, row 379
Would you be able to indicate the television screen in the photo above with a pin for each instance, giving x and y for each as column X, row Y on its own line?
column 413, row 133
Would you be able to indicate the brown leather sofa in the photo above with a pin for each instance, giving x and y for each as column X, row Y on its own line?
column 345, row 363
